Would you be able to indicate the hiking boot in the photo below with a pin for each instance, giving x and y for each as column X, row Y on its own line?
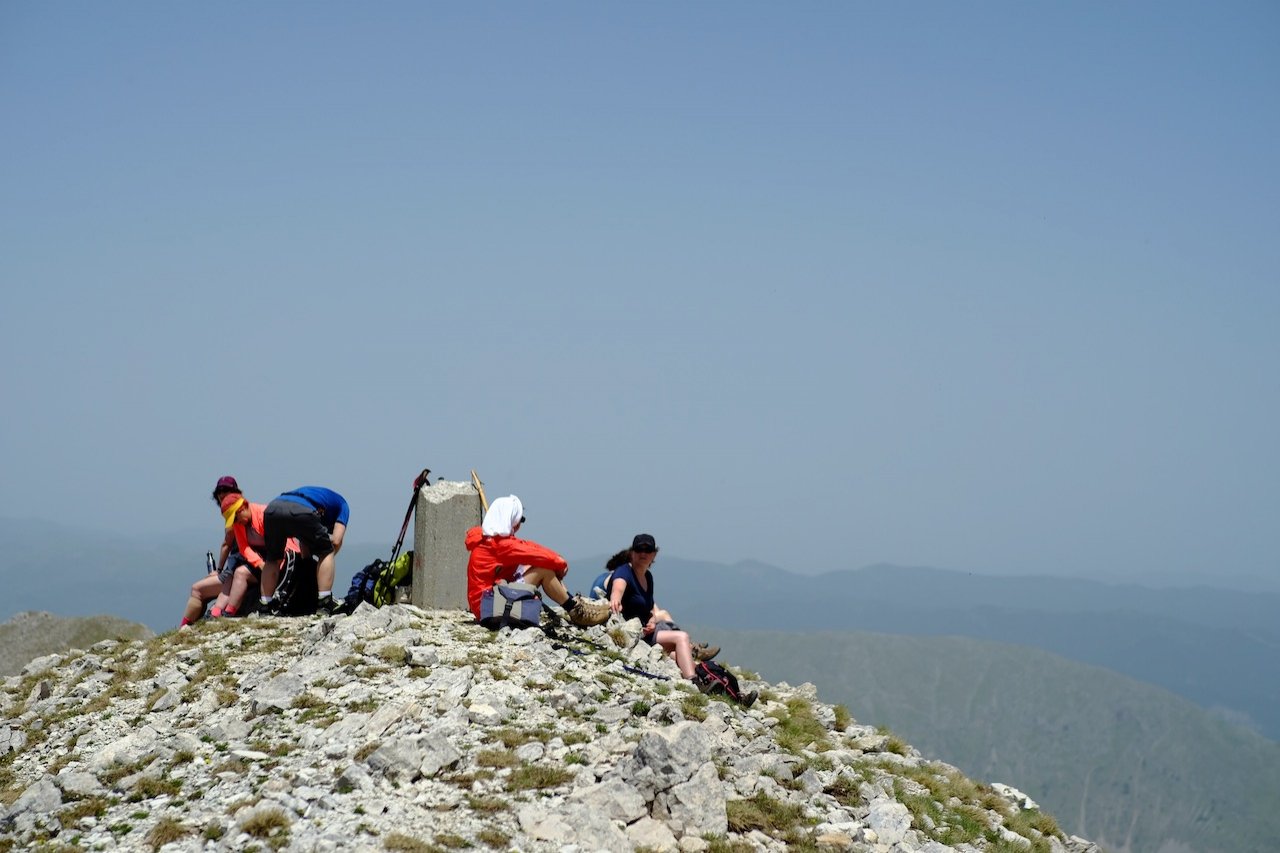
column 749, row 699
column 701, row 651
column 329, row 606
column 585, row 613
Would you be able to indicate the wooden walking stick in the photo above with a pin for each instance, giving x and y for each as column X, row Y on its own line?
column 475, row 481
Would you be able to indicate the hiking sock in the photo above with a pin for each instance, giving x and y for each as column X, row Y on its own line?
column 570, row 603
column 325, row 593
column 264, row 600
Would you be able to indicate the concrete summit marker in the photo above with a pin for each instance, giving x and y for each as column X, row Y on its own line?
column 445, row 511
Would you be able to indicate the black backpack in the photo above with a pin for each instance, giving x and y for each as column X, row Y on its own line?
column 297, row 591
column 712, row 678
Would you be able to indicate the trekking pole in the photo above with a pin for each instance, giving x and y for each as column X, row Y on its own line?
column 418, row 482
column 382, row 585
column 475, row 481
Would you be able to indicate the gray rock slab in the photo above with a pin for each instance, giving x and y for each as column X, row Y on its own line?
column 889, row 821
column 278, row 693
column 11, row 739
column 78, row 783
column 572, row 823
column 614, row 799
column 653, row 835
column 698, row 806
column 38, row 799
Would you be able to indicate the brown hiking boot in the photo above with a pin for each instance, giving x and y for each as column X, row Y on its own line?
column 701, row 651
column 585, row 613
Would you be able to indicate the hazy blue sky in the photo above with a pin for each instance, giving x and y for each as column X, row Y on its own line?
column 985, row 286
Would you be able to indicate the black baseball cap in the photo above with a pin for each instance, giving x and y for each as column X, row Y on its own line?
column 643, row 542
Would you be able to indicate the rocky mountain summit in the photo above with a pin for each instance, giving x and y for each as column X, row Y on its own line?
column 403, row 729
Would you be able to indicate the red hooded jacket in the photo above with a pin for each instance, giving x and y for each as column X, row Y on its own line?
column 495, row 558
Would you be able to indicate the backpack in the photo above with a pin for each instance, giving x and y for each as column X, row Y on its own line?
column 297, row 591
column 600, row 586
column 393, row 574
column 376, row 583
column 514, row 604
column 712, row 678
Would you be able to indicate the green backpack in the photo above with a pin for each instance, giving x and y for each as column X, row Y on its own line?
column 392, row 575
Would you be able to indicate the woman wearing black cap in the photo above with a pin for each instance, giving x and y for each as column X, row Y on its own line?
column 631, row 594
column 217, row 583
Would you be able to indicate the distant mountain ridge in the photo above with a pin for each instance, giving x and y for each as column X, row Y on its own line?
column 1218, row 648
column 1125, row 763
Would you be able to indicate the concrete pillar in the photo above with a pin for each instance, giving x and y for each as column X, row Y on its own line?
column 445, row 511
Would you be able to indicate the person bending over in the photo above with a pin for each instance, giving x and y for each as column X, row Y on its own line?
column 497, row 554
column 317, row 518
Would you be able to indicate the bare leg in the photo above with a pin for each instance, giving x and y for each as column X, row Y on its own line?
column 201, row 591
column 325, row 571
column 677, row 642
column 547, row 581
column 270, row 577
column 240, row 583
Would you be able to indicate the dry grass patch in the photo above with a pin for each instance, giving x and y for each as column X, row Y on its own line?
column 406, row 843
column 799, row 729
column 496, row 758
column 486, row 805
column 88, row 807
column 493, row 838
column 537, row 777
column 271, row 825
column 511, row 738
column 166, row 831
column 394, row 655
column 762, row 812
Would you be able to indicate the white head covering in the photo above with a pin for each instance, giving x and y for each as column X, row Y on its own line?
column 503, row 516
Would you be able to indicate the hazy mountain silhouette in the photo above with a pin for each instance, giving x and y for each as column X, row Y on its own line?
column 1218, row 648
column 1128, row 764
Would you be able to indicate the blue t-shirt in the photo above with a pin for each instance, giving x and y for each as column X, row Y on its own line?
column 637, row 603
column 331, row 505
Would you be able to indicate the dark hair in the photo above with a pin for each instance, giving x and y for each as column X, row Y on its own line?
column 619, row 559
column 222, row 491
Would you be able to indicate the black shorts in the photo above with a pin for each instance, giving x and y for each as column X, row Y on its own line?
column 284, row 519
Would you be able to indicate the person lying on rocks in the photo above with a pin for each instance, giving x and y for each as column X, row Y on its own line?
column 631, row 595
column 497, row 554
column 317, row 518
column 217, row 584
column 246, row 525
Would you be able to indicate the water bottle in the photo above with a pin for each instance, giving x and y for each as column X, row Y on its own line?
column 208, row 562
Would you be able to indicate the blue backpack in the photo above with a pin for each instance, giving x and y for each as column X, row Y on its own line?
column 600, row 586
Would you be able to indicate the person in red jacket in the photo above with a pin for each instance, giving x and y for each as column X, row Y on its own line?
column 497, row 554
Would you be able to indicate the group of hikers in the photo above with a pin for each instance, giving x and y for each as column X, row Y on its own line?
column 310, row 522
